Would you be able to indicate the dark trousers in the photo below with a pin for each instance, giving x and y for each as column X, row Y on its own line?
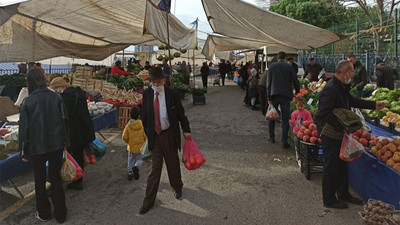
column 205, row 81
column 263, row 99
column 163, row 148
column 58, row 197
column 335, row 174
column 223, row 79
column 284, row 102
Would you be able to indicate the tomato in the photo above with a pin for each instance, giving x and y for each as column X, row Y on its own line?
column 313, row 140
column 306, row 124
column 314, row 133
column 312, row 127
column 307, row 132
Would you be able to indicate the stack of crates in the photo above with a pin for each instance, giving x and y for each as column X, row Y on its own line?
column 124, row 115
column 85, row 72
column 311, row 158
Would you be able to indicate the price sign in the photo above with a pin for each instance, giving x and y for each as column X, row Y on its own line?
column 310, row 101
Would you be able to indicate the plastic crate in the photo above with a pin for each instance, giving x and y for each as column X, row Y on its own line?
column 311, row 159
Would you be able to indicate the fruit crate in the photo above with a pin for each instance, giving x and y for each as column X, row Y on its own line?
column 85, row 72
column 124, row 115
column 79, row 82
column 90, row 84
column 98, row 85
column 311, row 158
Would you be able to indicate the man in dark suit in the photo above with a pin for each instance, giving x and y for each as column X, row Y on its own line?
column 162, row 111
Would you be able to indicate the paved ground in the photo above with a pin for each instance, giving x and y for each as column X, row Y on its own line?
column 241, row 182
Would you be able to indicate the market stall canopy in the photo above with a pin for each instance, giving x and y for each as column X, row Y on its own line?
column 237, row 19
column 40, row 29
column 215, row 44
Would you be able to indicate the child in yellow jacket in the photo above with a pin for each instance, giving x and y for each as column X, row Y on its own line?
column 134, row 136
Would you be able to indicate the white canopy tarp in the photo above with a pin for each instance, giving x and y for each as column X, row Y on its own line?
column 215, row 44
column 40, row 29
column 235, row 18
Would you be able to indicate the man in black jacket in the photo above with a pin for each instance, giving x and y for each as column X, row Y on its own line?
column 336, row 95
column 80, row 127
column 162, row 112
column 280, row 82
column 384, row 75
column 222, row 71
column 360, row 73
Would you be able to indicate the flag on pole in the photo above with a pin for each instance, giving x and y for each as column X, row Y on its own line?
column 194, row 25
column 164, row 5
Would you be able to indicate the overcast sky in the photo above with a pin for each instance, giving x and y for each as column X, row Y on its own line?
column 187, row 11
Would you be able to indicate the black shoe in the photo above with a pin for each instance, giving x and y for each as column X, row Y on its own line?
column 337, row 205
column 135, row 173
column 60, row 220
column 352, row 200
column 178, row 194
column 285, row 145
column 144, row 209
column 75, row 186
column 271, row 140
column 40, row 218
column 130, row 175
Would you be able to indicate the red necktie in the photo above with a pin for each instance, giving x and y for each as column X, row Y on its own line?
column 157, row 123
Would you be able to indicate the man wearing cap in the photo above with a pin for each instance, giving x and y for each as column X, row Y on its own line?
column 80, row 127
column 360, row 73
column 162, row 112
column 384, row 75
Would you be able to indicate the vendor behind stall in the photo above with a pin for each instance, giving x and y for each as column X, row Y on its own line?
column 117, row 69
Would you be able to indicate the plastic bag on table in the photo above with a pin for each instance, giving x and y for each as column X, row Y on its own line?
column 191, row 155
column 98, row 149
column 272, row 113
column 68, row 170
column 351, row 149
column 144, row 150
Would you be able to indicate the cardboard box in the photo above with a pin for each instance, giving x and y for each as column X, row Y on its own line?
column 7, row 108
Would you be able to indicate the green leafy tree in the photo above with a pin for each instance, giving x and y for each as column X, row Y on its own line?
column 318, row 13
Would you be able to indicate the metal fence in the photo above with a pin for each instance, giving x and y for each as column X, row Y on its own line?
column 7, row 72
column 367, row 59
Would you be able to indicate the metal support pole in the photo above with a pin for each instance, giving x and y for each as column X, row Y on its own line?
column 395, row 33
column 356, row 37
column 169, row 48
column 333, row 44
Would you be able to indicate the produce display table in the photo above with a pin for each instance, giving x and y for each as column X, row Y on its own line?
column 105, row 120
column 373, row 179
column 12, row 167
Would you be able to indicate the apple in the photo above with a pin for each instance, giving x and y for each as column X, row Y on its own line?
column 300, row 135
column 306, row 124
column 358, row 133
column 379, row 153
column 389, row 154
column 363, row 141
column 306, row 138
column 384, row 149
column 384, row 159
column 393, row 148
column 313, row 140
column 385, row 141
column 396, row 156
column 366, row 135
column 312, row 126
column 390, row 162
column 374, row 150
column 379, row 145
column 372, row 142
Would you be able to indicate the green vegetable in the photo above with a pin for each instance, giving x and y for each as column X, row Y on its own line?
column 198, row 91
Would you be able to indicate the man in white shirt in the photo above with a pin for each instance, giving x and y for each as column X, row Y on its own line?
column 162, row 113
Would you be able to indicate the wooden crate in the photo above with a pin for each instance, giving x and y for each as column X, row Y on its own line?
column 124, row 115
column 98, row 85
column 80, row 82
column 84, row 72
column 108, row 86
column 90, row 84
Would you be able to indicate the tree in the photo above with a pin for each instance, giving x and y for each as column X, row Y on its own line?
column 318, row 13
column 382, row 9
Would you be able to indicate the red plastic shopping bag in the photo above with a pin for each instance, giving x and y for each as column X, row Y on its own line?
column 191, row 155
column 79, row 171
column 351, row 149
